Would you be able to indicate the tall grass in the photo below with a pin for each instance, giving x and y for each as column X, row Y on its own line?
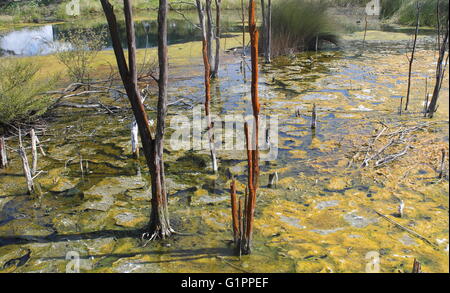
column 297, row 24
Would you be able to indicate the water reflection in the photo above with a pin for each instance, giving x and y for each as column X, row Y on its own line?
column 45, row 39
column 29, row 41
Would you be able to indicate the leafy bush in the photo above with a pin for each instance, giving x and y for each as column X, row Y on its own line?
column 296, row 24
column 21, row 93
column 84, row 45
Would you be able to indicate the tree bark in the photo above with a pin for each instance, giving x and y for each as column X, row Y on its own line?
column 254, row 36
column 152, row 143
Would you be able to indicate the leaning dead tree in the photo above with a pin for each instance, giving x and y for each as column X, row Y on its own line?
column 244, row 213
column 440, row 70
column 152, row 139
column 411, row 59
column 206, row 63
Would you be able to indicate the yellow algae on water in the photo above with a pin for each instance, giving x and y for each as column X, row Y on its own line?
column 338, row 183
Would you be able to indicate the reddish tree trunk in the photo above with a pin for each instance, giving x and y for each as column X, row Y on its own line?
column 152, row 144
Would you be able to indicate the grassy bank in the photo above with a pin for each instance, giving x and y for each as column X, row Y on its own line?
column 404, row 11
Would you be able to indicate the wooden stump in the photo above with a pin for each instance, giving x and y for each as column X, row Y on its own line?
column 3, row 154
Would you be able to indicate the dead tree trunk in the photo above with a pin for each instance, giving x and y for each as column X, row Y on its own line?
column 417, row 267
column 314, row 117
column 243, row 27
column 134, row 139
column 152, row 143
column 234, row 213
column 254, row 36
column 34, row 153
column 269, row 32
column 246, row 210
column 365, row 32
column 440, row 73
column 442, row 167
column 252, row 144
column 25, row 165
column 201, row 15
column 3, row 154
column 263, row 26
column 215, row 72
column 273, row 180
column 411, row 60
column 210, row 36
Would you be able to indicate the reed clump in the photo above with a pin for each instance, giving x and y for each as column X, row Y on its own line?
column 300, row 25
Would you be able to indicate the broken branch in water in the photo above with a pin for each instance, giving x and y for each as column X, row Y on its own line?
column 397, row 145
column 407, row 229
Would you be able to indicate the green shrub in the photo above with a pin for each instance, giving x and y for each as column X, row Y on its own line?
column 21, row 93
column 296, row 24
column 84, row 47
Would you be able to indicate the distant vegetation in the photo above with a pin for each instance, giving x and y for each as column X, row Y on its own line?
column 297, row 24
column 404, row 11
column 38, row 11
